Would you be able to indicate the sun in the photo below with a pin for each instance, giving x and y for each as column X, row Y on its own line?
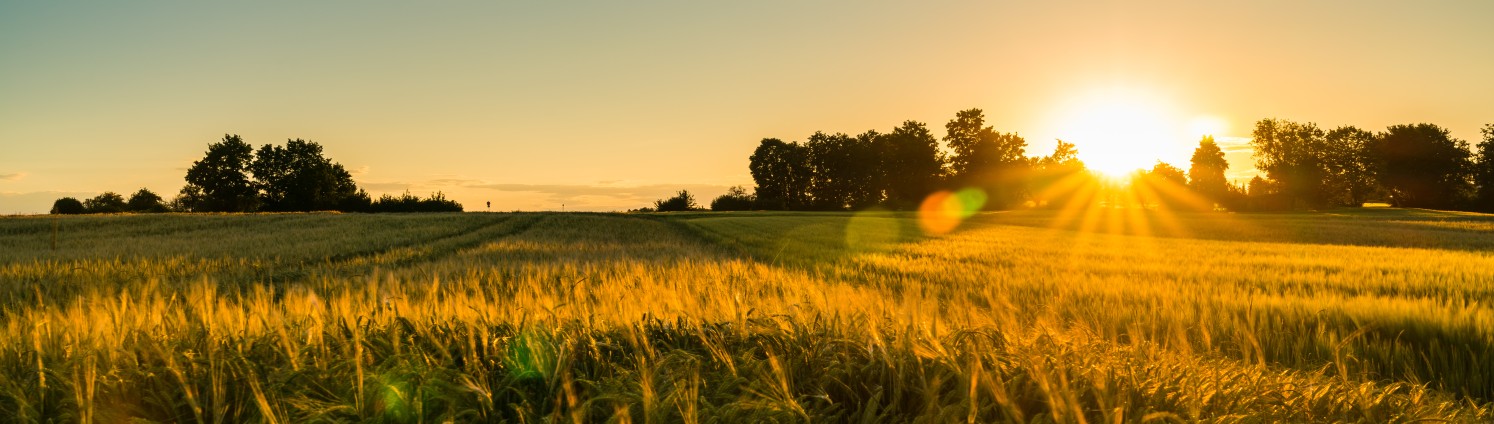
column 1119, row 131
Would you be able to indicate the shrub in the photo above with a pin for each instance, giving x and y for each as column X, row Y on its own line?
column 108, row 202
column 735, row 199
column 682, row 201
column 68, row 206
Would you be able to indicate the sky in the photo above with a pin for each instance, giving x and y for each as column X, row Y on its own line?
column 543, row 105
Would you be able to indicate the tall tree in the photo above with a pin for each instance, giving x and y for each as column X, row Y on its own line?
column 986, row 158
column 1293, row 155
column 782, row 174
column 1483, row 172
column 298, row 178
column 912, row 164
column 220, row 181
column 1349, row 164
column 833, row 164
column 1206, row 172
column 1422, row 166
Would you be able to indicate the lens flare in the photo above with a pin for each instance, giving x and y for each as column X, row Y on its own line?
column 943, row 211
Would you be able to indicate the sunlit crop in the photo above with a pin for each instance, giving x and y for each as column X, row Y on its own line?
column 1104, row 315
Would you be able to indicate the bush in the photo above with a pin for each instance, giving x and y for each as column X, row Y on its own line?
column 735, row 199
column 68, row 206
column 682, row 201
column 437, row 202
column 108, row 202
column 145, row 201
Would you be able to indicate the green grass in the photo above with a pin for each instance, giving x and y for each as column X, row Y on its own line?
column 1374, row 315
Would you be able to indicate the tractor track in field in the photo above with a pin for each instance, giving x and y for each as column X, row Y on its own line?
column 344, row 264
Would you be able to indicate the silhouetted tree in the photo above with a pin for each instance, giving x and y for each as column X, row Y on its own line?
column 1422, row 166
column 782, row 174
column 864, row 164
column 1164, row 185
column 832, row 163
column 108, row 202
column 360, row 202
column 682, row 201
column 220, row 181
column 1206, row 172
column 735, row 199
column 145, row 201
column 298, row 178
column 1483, row 171
column 1058, row 179
column 1295, row 156
column 986, row 158
column 1349, row 179
column 68, row 206
column 437, row 202
column 912, row 165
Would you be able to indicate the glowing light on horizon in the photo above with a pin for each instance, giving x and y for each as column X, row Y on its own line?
column 1207, row 125
column 1121, row 130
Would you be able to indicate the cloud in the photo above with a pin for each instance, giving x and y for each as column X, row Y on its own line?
column 386, row 186
column 1234, row 144
column 359, row 170
column 13, row 176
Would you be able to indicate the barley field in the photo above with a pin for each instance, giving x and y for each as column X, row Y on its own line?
column 1086, row 316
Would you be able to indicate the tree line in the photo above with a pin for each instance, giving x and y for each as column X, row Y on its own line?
column 1302, row 167
column 234, row 177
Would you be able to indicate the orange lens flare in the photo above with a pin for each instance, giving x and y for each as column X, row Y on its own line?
column 943, row 211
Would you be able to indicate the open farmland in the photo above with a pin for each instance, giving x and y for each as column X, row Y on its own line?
column 1101, row 315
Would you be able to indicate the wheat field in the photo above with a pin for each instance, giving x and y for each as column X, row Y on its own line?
column 1091, row 316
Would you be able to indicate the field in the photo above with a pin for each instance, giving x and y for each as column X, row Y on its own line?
column 1373, row 315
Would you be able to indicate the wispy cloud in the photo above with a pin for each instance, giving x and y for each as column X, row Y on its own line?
column 17, row 176
column 1235, row 144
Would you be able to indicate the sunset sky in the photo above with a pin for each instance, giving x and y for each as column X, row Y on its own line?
column 610, row 105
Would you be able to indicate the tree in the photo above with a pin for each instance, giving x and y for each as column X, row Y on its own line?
column 864, row 170
column 1483, row 171
column 68, row 206
column 1350, row 178
column 1422, row 166
column 735, row 199
column 985, row 158
column 298, row 178
column 108, row 202
column 145, row 201
column 1206, row 173
column 682, row 201
column 1293, row 155
column 833, row 164
column 1164, row 171
column 1058, row 179
column 220, row 181
column 437, row 202
column 1164, row 185
column 912, row 165
column 782, row 174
